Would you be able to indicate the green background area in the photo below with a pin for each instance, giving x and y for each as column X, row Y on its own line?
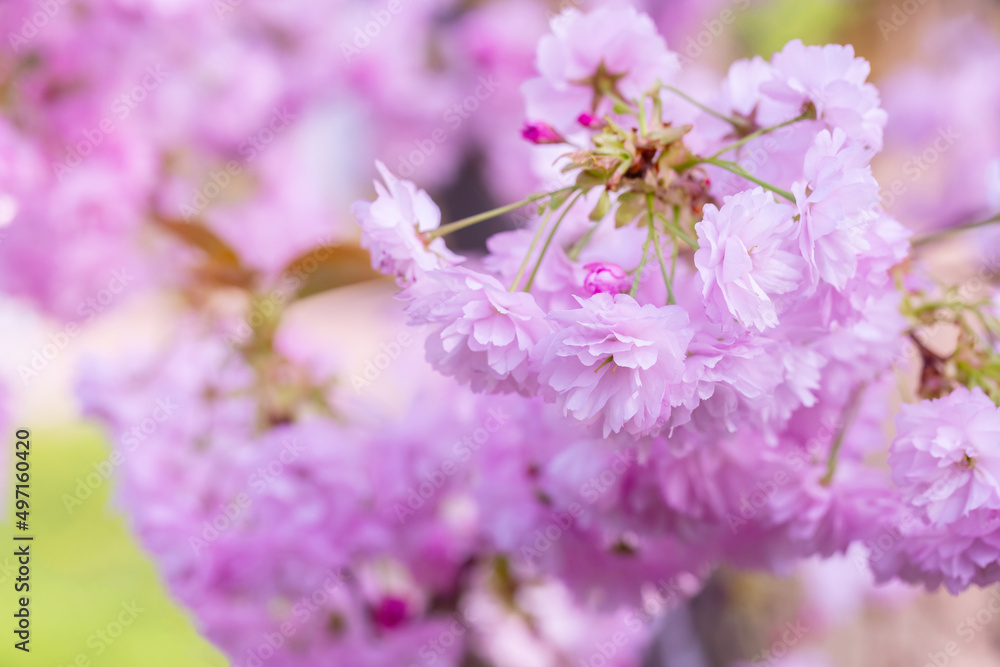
column 84, row 567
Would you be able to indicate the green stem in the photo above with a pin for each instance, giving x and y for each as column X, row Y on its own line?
column 548, row 241
column 673, row 262
column 761, row 132
column 468, row 222
column 847, row 420
column 659, row 251
column 531, row 249
column 739, row 124
column 642, row 117
column 676, row 229
column 574, row 252
column 930, row 238
column 740, row 171
column 642, row 264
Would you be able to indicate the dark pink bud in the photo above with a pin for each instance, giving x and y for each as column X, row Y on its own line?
column 605, row 277
column 590, row 120
column 389, row 613
column 541, row 133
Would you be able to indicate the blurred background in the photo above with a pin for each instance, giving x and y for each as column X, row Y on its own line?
column 262, row 122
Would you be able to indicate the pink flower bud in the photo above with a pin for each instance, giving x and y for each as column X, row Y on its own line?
column 590, row 120
column 541, row 133
column 390, row 612
column 605, row 277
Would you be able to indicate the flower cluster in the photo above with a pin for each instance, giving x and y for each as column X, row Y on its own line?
column 652, row 284
column 714, row 281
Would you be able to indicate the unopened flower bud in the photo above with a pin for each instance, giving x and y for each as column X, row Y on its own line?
column 605, row 277
column 541, row 133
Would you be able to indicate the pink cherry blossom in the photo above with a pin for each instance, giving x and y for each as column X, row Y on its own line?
column 392, row 226
column 616, row 362
column 612, row 47
column 744, row 256
column 946, row 455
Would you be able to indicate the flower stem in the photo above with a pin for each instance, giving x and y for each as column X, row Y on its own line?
column 930, row 238
column 659, row 251
column 847, row 420
column 574, row 252
column 740, row 171
column 486, row 215
column 676, row 229
column 548, row 241
column 739, row 124
column 761, row 132
column 531, row 249
column 642, row 264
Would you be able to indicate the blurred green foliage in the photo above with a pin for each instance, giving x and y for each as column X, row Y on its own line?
column 86, row 569
column 765, row 28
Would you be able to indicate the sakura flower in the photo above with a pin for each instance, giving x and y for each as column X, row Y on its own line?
column 836, row 201
column 486, row 332
column 615, row 362
column 946, row 455
column 834, row 81
column 590, row 57
column 391, row 227
column 958, row 555
column 742, row 258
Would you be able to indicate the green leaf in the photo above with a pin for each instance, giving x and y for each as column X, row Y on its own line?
column 669, row 135
column 201, row 237
column 329, row 267
column 602, row 207
column 630, row 206
column 558, row 199
column 589, row 178
column 222, row 264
